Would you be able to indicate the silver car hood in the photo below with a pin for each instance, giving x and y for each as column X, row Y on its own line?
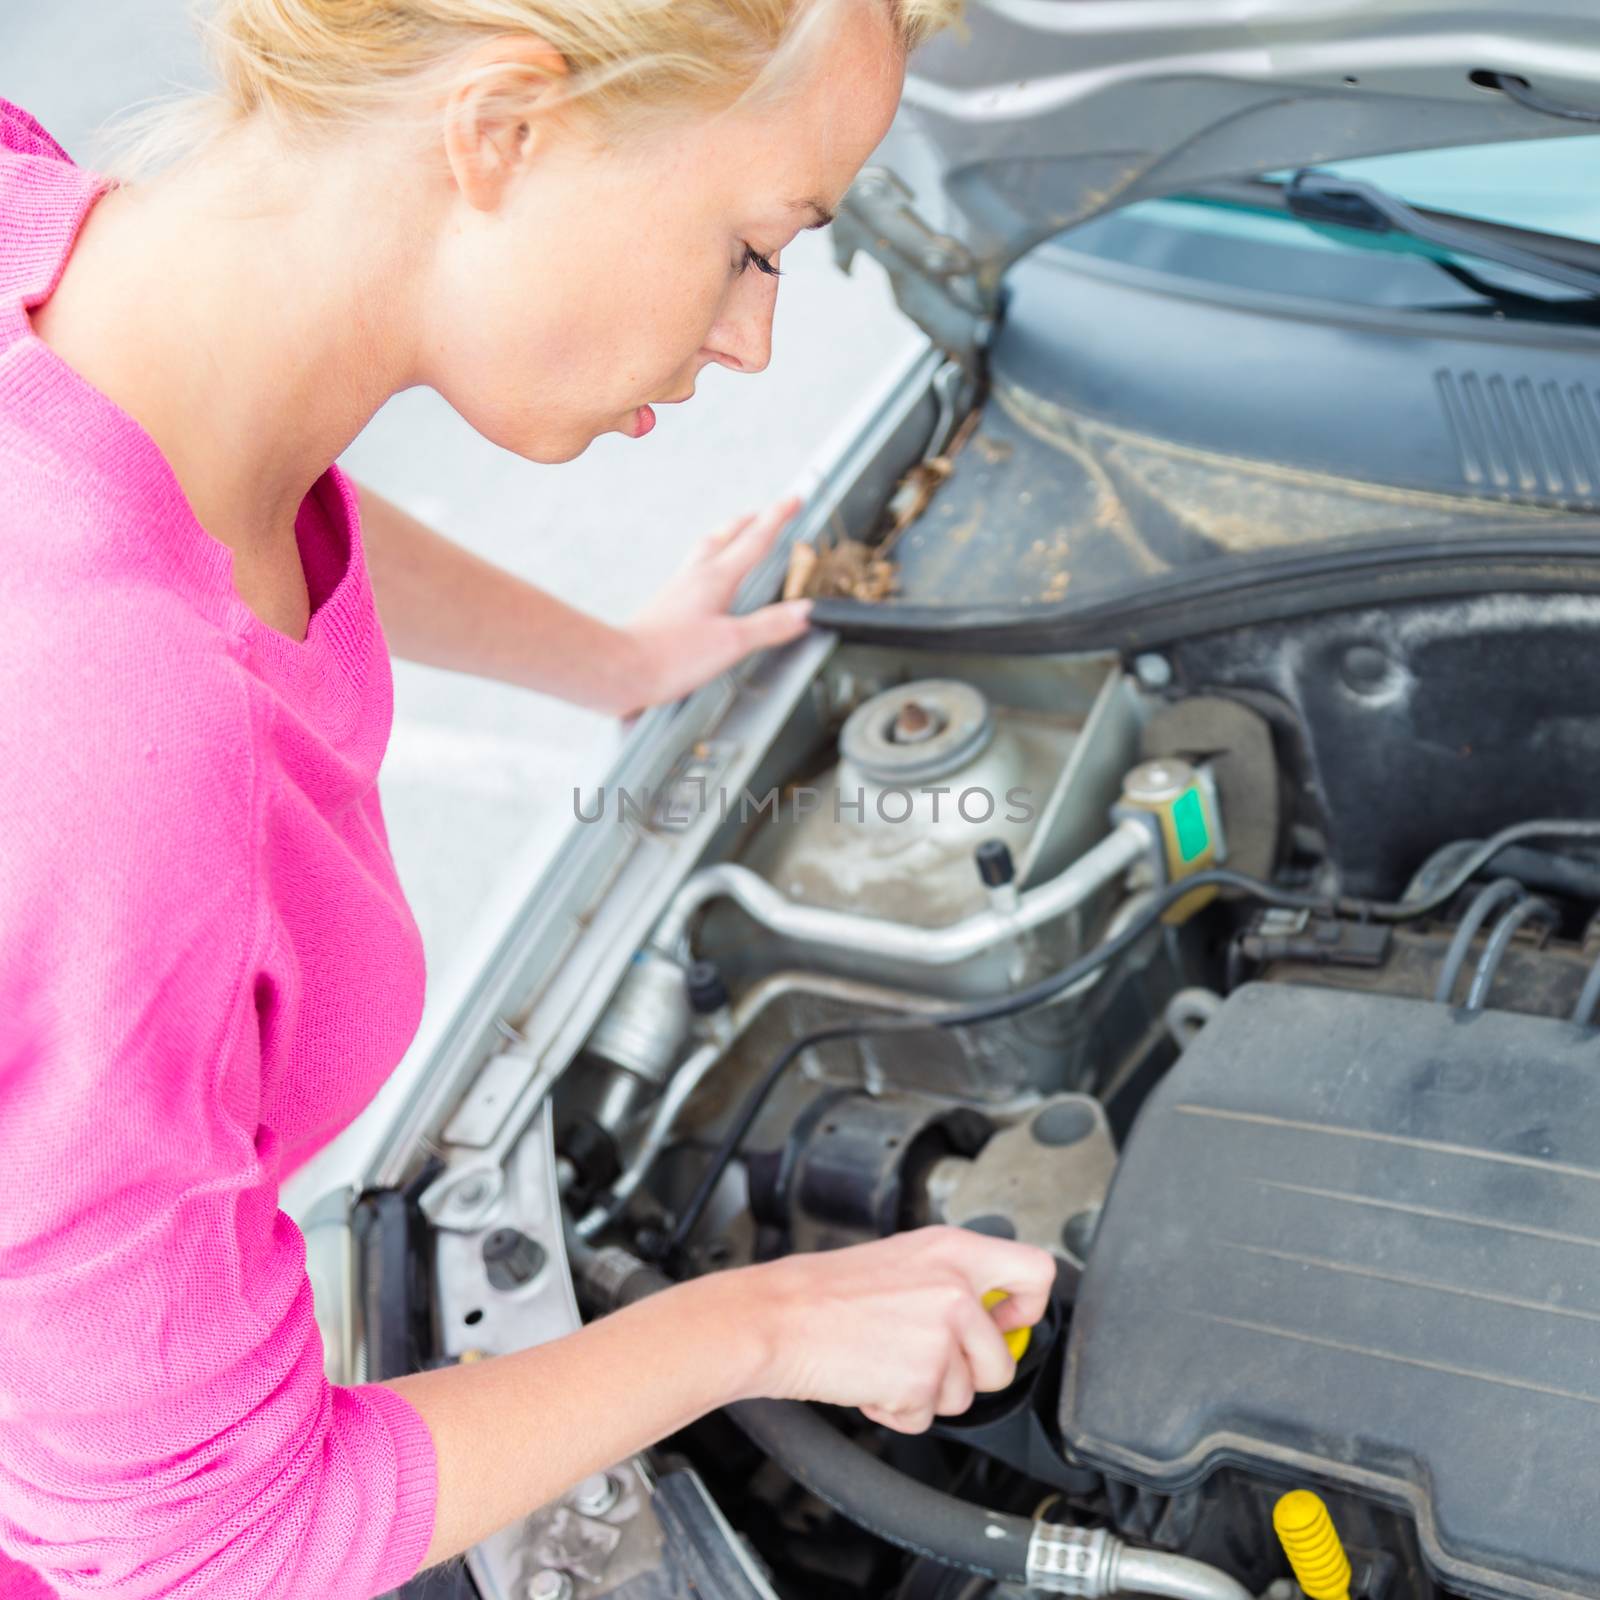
column 1049, row 112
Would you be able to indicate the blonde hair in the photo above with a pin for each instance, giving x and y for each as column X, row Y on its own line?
column 324, row 64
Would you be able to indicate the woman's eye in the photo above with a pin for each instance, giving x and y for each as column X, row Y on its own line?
column 754, row 258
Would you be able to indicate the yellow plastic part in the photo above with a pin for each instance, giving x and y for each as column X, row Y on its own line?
column 1306, row 1532
column 1017, row 1339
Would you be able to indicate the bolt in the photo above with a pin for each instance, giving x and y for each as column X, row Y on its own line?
column 1364, row 668
column 596, row 1494
column 473, row 1191
column 915, row 722
column 511, row 1259
column 1152, row 670
column 549, row 1584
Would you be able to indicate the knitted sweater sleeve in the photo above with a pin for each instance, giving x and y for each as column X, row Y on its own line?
column 165, row 1425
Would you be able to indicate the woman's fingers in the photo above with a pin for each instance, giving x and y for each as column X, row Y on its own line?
column 747, row 536
column 747, row 546
column 1012, row 1313
column 898, row 1327
column 771, row 625
column 956, row 1387
column 1026, row 1274
column 714, row 543
column 983, row 1347
column 911, row 1421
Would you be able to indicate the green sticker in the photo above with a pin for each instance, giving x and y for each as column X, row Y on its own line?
column 1189, row 823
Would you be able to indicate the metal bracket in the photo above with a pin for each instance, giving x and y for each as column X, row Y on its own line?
column 935, row 277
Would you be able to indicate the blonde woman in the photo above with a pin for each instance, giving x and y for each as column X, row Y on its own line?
column 554, row 212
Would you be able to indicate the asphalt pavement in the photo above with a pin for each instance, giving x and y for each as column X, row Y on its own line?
column 479, row 777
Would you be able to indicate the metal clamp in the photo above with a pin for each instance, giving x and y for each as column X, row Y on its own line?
column 1063, row 1559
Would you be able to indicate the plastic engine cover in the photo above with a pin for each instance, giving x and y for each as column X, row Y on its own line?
column 1356, row 1240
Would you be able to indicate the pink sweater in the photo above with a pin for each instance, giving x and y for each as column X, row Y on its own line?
column 207, row 967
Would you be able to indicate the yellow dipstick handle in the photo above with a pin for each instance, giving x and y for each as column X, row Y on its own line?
column 1306, row 1532
column 1017, row 1339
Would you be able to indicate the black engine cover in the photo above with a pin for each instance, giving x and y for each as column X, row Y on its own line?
column 1355, row 1240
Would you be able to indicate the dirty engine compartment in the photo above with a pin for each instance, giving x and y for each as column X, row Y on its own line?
column 1314, row 1144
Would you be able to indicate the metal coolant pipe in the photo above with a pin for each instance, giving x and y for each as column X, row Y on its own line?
column 1136, row 1571
column 688, row 1077
column 1068, row 891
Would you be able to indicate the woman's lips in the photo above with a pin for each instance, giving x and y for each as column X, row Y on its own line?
column 644, row 419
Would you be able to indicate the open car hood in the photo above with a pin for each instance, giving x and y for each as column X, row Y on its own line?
column 1049, row 112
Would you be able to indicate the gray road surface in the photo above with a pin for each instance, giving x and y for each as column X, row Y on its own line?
column 480, row 775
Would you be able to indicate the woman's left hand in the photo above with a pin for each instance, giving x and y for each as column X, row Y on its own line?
column 685, row 635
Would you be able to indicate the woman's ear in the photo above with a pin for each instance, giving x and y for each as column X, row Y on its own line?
column 498, row 112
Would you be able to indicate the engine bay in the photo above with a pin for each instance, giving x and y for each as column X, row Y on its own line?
column 1174, row 966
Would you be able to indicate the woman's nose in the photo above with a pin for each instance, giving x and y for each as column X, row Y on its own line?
column 742, row 337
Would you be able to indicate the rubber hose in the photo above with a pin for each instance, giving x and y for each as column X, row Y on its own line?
column 858, row 1485
column 880, row 1499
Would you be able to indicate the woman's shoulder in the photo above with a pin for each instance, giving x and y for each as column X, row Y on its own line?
column 44, row 197
column 22, row 134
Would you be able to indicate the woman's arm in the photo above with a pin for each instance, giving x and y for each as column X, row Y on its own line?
column 897, row 1328
column 446, row 607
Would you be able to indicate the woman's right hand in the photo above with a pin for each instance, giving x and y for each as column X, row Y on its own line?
column 896, row 1327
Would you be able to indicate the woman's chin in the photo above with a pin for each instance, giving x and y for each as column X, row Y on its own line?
column 551, row 448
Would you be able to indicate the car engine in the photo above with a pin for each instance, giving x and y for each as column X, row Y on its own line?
column 1167, row 965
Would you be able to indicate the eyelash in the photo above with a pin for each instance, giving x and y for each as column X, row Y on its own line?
column 754, row 258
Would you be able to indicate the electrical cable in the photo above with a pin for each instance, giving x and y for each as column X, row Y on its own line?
column 1494, row 951
column 1520, row 90
column 1049, row 988
column 1484, row 905
column 1588, row 998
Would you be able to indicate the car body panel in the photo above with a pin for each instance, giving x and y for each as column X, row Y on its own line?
column 1054, row 111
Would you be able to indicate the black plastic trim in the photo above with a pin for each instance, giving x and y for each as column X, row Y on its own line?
column 1370, row 570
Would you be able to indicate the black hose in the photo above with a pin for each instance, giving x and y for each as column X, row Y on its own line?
column 1473, row 864
column 1555, row 874
column 1574, row 876
column 1047, row 989
column 1494, row 951
column 884, row 1501
column 890, row 1504
column 1484, row 904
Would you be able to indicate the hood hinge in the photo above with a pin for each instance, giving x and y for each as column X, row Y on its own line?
column 935, row 277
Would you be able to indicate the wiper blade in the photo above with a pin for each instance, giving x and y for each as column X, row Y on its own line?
column 1324, row 197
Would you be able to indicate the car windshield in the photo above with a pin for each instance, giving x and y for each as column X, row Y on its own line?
column 1192, row 383
column 1241, row 235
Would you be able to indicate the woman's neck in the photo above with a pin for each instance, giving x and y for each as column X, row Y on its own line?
column 251, row 311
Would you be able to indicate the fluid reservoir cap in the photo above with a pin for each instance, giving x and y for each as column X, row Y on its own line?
column 995, row 865
column 1154, row 783
column 918, row 730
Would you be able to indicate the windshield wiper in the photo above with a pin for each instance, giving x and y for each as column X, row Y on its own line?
column 1324, row 197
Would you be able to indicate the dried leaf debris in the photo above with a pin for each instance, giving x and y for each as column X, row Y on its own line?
column 842, row 567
